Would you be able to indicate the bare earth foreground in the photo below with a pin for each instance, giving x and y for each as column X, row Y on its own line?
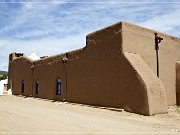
column 21, row 115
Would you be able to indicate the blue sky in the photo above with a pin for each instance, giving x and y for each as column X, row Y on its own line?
column 56, row 26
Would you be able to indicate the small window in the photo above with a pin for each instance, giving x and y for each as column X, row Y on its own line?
column 37, row 87
column 22, row 87
column 58, row 87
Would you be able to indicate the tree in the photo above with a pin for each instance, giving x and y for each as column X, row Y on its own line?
column 3, row 77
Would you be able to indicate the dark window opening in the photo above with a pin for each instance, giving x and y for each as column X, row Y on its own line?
column 22, row 87
column 58, row 87
column 37, row 87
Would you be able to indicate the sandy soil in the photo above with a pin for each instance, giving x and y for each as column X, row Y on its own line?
column 20, row 115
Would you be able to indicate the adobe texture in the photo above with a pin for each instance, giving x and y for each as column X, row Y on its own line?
column 178, row 82
column 140, row 40
column 116, row 68
column 47, row 71
column 22, row 72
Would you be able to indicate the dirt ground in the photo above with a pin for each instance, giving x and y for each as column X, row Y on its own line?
column 22, row 115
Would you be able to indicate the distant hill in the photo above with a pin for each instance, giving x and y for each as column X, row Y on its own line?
column 3, row 72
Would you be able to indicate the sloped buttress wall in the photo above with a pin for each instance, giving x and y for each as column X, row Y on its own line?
column 104, row 76
column 140, row 40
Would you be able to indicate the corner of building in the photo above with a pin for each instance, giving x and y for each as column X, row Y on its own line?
column 178, row 82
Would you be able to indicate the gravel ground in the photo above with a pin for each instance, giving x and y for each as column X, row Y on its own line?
column 22, row 115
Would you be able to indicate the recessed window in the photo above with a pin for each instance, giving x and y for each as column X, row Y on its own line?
column 37, row 87
column 58, row 87
column 22, row 87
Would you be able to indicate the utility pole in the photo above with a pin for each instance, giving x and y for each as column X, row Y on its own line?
column 157, row 41
column 65, row 60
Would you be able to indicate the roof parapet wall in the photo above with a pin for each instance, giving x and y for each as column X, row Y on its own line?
column 103, row 34
column 126, row 26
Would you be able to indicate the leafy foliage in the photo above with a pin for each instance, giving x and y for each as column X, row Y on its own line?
column 3, row 75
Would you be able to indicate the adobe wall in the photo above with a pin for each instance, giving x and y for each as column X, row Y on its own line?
column 22, row 71
column 10, row 71
column 47, row 71
column 156, row 96
column 106, row 72
column 104, row 76
column 142, row 41
column 178, row 82
column 12, row 57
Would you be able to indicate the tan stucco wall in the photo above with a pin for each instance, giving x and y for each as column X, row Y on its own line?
column 139, row 40
column 12, row 57
column 155, row 92
column 178, row 82
column 116, row 68
column 22, row 71
column 10, row 68
column 104, row 76
column 47, row 71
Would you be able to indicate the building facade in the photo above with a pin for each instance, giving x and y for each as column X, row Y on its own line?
column 118, row 67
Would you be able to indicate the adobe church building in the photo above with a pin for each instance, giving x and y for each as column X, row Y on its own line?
column 121, row 66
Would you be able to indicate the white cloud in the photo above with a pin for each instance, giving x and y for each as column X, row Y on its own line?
column 165, row 23
column 58, row 27
column 48, row 46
